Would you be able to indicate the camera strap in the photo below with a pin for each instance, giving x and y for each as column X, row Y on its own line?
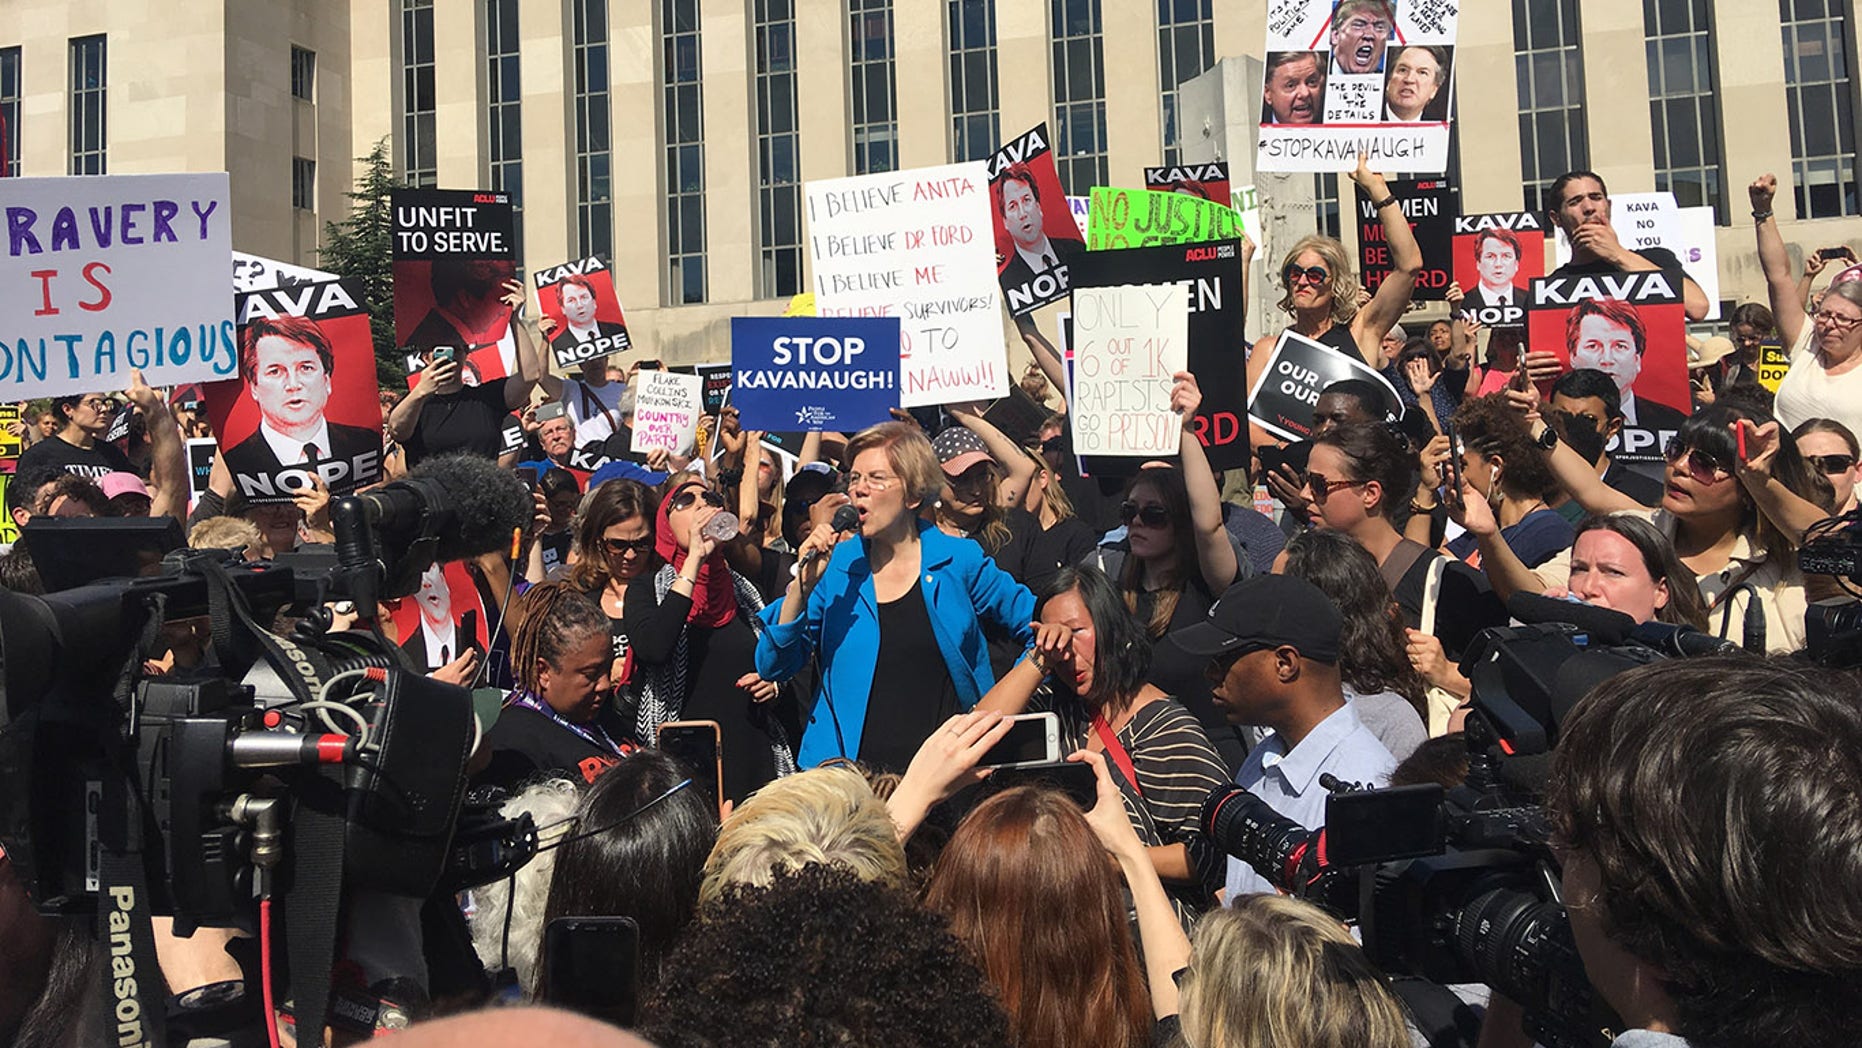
column 312, row 903
column 134, row 998
column 239, row 641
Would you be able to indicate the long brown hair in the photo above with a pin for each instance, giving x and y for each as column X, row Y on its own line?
column 606, row 505
column 1175, row 496
column 1027, row 887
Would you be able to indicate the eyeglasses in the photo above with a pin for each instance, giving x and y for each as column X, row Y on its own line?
column 1701, row 467
column 1151, row 515
column 622, row 547
column 1316, row 275
column 973, row 480
column 1323, row 486
column 685, row 499
column 99, row 403
column 1831, row 465
column 1835, row 320
column 871, row 481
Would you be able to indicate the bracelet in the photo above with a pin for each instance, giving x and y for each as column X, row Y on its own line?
column 1417, row 507
column 1038, row 660
column 1384, row 203
column 1760, row 216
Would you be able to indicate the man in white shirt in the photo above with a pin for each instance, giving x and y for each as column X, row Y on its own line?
column 1035, row 253
column 1496, row 259
column 1274, row 641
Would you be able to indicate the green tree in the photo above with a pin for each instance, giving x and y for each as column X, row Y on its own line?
column 360, row 248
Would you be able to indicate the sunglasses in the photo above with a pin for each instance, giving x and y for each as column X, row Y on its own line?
column 622, row 547
column 684, row 499
column 1151, row 515
column 1322, row 486
column 1305, row 274
column 1831, row 465
column 1701, row 467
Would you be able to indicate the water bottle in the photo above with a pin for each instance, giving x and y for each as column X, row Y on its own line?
column 722, row 527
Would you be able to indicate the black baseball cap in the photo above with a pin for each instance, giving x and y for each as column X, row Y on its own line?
column 1267, row 611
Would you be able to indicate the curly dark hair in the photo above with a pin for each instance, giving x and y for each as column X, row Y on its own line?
column 1372, row 656
column 816, row 958
column 1720, row 802
column 1493, row 429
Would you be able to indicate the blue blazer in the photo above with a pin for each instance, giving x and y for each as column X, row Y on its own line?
column 963, row 589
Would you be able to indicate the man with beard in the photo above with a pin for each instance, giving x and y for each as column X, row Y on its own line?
column 1019, row 201
column 1294, row 92
column 1580, row 205
column 1360, row 31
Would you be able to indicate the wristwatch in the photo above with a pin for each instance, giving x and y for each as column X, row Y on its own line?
column 1548, row 439
column 1384, row 203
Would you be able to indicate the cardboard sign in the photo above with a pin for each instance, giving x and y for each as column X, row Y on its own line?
column 200, row 452
column 257, row 273
column 1209, row 181
column 807, row 373
column 453, row 252
column 1357, row 76
column 1128, row 342
column 1699, row 252
column 1632, row 327
column 1247, row 204
column 307, row 380
column 105, row 273
column 1496, row 256
column 666, row 409
column 1430, row 207
column 443, row 617
column 11, row 443
column 1127, row 218
column 1297, row 371
column 917, row 245
column 1035, row 242
column 580, row 298
column 1773, row 363
column 1654, row 220
column 1210, row 275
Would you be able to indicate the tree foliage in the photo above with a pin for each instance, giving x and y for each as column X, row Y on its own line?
column 360, row 248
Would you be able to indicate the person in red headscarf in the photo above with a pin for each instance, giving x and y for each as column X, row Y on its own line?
column 693, row 634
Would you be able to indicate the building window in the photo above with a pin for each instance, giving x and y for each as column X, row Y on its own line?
column 303, row 184
column 1079, row 95
column 1816, row 77
column 1325, row 204
column 1684, row 113
column 9, row 111
column 1549, row 64
column 503, row 107
column 419, row 138
column 779, row 151
column 1185, row 50
column 303, row 74
column 975, row 123
column 594, row 182
column 682, row 75
column 88, row 130
column 874, row 87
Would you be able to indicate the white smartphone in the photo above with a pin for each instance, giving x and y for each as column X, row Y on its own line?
column 1033, row 738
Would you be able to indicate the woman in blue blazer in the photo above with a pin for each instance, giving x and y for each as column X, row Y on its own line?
column 896, row 617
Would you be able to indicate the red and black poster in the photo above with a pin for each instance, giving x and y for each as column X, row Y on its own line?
column 1632, row 327
column 580, row 300
column 1430, row 207
column 1496, row 258
column 1036, row 238
column 454, row 250
column 1209, row 181
column 305, row 403
column 442, row 618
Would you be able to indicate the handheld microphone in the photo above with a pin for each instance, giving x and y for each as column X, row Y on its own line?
column 846, row 518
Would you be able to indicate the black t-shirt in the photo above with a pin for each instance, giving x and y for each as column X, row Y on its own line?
column 92, row 462
column 912, row 691
column 471, row 420
column 1095, row 499
column 1176, row 672
column 620, row 446
column 525, row 743
column 1067, row 543
column 1660, row 257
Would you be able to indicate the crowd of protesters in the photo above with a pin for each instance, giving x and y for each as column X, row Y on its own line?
column 857, row 879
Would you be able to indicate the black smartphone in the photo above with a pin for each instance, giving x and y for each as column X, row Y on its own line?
column 1033, row 738
column 1829, row 253
column 1073, row 778
column 1292, row 458
column 528, row 474
column 591, row 965
column 695, row 744
column 1451, row 466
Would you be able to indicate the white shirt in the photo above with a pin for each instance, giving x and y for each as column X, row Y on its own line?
column 290, row 450
column 1503, row 296
column 446, row 638
column 584, row 403
column 1289, row 782
column 1038, row 264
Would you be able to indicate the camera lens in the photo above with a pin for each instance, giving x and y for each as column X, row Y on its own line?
column 1242, row 825
column 1518, row 944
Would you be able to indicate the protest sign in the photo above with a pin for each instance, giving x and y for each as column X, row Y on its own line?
column 717, row 388
column 305, row 404
column 918, row 245
column 580, row 299
column 1128, row 342
column 1209, row 181
column 666, row 409
column 1495, row 258
column 1699, row 252
column 453, row 252
column 1018, row 416
column 444, row 617
column 808, row 373
column 1210, row 275
column 1035, row 244
column 11, row 443
column 1079, row 207
column 257, row 273
column 1126, row 218
column 1296, row 372
column 200, row 452
column 1632, row 327
column 1247, row 204
column 107, row 273
column 9, row 531
column 1773, row 363
column 1430, row 207
column 1344, row 78
column 1646, row 221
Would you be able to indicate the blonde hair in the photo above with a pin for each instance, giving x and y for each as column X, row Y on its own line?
column 226, row 533
column 828, row 816
column 1276, row 970
column 908, row 452
column 1344, row 284
column 549, row 804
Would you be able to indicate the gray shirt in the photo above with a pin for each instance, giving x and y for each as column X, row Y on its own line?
column 1392, row 719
